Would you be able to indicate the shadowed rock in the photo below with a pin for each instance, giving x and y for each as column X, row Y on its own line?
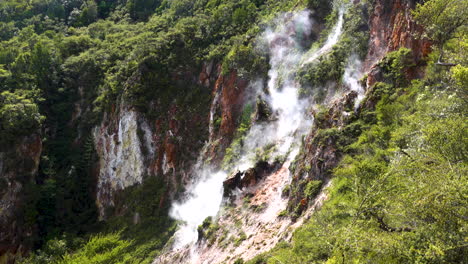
column 248, row 178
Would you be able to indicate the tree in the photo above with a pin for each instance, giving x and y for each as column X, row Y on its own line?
column 19, row 115
column 442, row 19
column 90, row 12
column 142, row 9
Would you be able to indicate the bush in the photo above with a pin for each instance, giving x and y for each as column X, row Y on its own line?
column 394, row 64
column 312, row 189
column 19, row 115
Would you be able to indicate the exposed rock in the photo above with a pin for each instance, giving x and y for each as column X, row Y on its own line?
column 263, row 111
column 121, row 159
column 18, row 167
column 232, row 183
column 392, row 27
column 231, row 90
column 248, row 178
column 206, row 73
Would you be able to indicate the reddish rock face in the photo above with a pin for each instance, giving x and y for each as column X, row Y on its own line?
column 392, row 27
column 231, row 89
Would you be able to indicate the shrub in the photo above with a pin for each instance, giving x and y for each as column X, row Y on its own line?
column 19, row 115
column 312, row 189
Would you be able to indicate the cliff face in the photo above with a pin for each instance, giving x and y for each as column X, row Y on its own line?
column 226, row 108
column 132, row 146
column 392, row 27
column 122, row 163
column 18, row 167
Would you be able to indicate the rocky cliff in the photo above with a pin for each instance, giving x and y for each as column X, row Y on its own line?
column 168, row 140
column 392, row 27
column 132, row 146
column 18, row 167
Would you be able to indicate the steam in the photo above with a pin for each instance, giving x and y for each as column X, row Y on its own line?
column 290, row 119
column 332, row 39
column 351, row 77
column 204, row 200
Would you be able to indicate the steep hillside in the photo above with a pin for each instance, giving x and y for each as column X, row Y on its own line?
column 224, row 131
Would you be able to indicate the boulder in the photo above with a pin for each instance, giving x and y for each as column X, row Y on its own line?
column 248, row 178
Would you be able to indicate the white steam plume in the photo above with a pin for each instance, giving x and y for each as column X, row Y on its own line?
column 291, row 123
column 353, row 73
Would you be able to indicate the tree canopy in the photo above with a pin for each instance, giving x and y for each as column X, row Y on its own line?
column 443, row 20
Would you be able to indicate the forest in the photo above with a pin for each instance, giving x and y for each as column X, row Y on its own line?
column 70, row 70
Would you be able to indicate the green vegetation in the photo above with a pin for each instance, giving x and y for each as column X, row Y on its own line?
column 135, row 237
column 399, row 194
column 63, row 64
column 443, row 20
column 234, row 150
column 312, row 189
column 19, row 115
column 329, row 67
column 114, row 247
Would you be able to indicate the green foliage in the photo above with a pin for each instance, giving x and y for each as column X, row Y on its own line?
column 393, row 65
column 97, row 53
column 321, row 8
column 246, row 60
column 19, row 115
column 7, row 30
column 442, row 19
column 142, row 9
column 460, row 74
column 74, row 45
column 208, row 230
column 326, row 68
column 329, row 67
column 242, row 236
column 406, row 162
column 399, row 196
column 135, row 242
column 312, row 189
column 234, row 150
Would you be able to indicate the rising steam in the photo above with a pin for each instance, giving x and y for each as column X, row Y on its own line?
column 291, row 118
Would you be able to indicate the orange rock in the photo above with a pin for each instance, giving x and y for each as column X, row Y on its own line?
column 392, row 27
